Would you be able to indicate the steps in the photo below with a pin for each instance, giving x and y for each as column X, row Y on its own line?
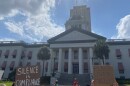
column 67, row 79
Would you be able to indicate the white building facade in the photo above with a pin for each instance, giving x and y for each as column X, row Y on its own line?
column 71, row 51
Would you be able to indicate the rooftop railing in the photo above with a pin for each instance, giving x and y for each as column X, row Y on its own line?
column 11, row 42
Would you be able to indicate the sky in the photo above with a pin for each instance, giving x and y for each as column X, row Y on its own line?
column 39, row 20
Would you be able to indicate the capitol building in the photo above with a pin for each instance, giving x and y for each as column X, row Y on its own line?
column 71, row 51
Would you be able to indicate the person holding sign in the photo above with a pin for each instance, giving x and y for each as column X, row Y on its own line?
column 75, row 83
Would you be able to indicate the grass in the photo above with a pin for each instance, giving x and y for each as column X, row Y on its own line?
column 8, row 83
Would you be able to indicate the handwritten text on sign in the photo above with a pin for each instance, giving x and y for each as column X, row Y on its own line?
column 28, row 76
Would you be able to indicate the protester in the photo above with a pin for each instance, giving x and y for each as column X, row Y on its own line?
column 75, row 83
column 56, row 83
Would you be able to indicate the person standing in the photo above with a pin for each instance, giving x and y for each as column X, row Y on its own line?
column 75, row 82
column 56, row 83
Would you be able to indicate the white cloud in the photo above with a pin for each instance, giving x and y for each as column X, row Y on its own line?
column 38, row 25
column 123, row 28
column 15, row 28
column 7, row 39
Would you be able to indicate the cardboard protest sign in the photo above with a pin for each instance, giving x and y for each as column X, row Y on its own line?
column 103, row 75
column 1, row 73
column 28, row 76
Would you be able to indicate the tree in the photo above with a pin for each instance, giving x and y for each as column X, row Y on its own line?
column 44, row 54
column 11, row 76
column 101, row 50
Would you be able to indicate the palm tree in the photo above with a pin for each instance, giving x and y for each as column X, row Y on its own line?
column 101, row 50
column 43, row 54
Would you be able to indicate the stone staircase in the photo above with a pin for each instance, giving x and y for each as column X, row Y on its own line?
column 67, row 79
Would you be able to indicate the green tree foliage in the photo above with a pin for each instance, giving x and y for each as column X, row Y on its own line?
column 43, row 54
column 101, row 50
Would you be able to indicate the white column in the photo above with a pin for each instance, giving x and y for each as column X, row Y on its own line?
column 80, row 61
column 60, row 60
column 49, row 67
column 90, row 61
column 70, row 62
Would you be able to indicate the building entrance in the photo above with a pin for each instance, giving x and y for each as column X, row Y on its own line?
column 75, row 68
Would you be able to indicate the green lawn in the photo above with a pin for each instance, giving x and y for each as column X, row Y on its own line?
column 7, row 83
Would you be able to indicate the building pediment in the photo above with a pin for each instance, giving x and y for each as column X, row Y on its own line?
column 75, row 36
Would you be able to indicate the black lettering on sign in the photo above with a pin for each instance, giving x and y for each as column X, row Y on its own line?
column 28, row 76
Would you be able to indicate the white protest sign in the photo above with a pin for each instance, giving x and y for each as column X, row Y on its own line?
column 1, row 73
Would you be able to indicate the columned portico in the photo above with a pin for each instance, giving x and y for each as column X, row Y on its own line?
column 75, row 64
column 80, row 56
column 70, row 61
column 60, row 60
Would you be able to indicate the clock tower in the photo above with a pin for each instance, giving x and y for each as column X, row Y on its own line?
column 79, row 18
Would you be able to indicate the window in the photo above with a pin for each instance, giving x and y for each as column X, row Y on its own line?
column 14, row 53
column 66, row 54
column 120, row 68
column 66, row 67
column 129, row 52
column 0, row 53
column 29, row 55
column 118, row 53
column 85, row 54
column 56, row 66
column 85, row 67
column 12, row 65
column 6, row 54
column 22, row 54
column 3, row 68
column 4, row 65
column 75, row 54
column 20, row 64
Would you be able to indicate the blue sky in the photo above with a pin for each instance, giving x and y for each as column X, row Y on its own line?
column 39, row 20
